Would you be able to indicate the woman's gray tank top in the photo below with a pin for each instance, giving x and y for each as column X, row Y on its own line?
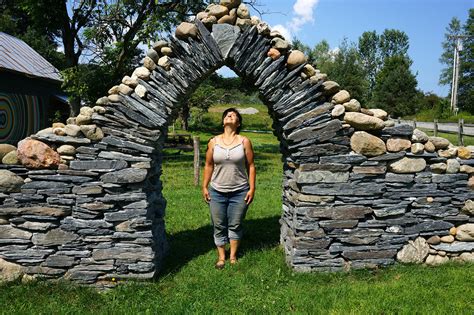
column 230, row 171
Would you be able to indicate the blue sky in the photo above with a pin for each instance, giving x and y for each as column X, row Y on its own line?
column 424, row 21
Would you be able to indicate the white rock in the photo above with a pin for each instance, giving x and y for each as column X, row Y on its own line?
column 341, row 97
column 419, row 136
column 408, row 165
column 66, row 149
column 131, row 82
column 149, row 63
column 99, row 109
column 435, row 260
column 72, row 130
column 142, row 73
column 337, row 111
column 465, row 232
column 379, row 113
column 414, row 252
column 125, row 89
column 453, row 166
column 141, row 91
column 417, row 148
column 165, row 63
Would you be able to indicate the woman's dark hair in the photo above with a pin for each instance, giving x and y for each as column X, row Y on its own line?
column 233, row 110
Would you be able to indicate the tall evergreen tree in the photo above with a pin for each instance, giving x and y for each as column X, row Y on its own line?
column 466, row 80
column 395, row 87
column 453, row 29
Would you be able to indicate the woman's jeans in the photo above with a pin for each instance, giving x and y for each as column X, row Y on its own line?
column 227, row 213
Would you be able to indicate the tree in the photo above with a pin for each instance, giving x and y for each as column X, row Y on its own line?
column 466, row 80
column 453, row 29
column 370, row 56
column 395, row 87
column 347, row 70
column 101, row 33
column 323, row 56
column 393, row 43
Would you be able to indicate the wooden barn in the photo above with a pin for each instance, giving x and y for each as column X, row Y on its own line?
column 30, row 91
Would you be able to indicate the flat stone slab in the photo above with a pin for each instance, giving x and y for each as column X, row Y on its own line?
column 225, row 36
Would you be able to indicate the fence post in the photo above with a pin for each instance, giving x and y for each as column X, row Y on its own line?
column 414, row 123
column 460, row 132
column 398, row 120
column 435, row 128
column 196, row 160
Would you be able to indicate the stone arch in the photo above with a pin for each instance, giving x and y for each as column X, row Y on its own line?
column 355, row 189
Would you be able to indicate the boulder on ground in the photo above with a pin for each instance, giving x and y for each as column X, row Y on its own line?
column 414, row 252
column 465, row 232
column 10, row 271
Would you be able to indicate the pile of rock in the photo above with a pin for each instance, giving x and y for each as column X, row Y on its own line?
column 84, row 201
column 456, row 245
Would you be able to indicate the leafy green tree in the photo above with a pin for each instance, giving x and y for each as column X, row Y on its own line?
column 393, row 43
column 100, row 34
column 370, row 56
column 453, row 29
column 323, row 56
column 347, row 70
column 466, row 80
column 395, row 87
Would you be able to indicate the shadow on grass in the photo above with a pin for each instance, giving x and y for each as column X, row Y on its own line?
column 187, row 245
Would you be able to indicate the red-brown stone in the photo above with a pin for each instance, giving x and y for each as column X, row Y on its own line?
column 36, row 154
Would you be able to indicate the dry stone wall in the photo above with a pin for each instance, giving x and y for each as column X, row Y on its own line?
column 83, row 200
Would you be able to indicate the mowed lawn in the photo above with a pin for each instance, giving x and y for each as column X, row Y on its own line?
column 261, row 282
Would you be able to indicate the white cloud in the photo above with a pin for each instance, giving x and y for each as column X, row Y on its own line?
column 302, row 14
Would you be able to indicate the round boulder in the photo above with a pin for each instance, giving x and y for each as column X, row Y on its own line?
column 419, row 136
column 363, row 122
column 464, row 153
column 366, row 144
column 379, row 113
column 10, row 182
column 439, row 143
column 397, row 144
column 352, row 106
column 36, row 154
column 274, row 53
column 295, row 59
column 408, row 166
column 341, row 97
column 414, row 252
column 215, row 10
column 185, row 30
column 11, row 158
column 6, row 148
column 230, row 4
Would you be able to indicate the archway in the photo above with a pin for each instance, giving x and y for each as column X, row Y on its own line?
column 355, row 189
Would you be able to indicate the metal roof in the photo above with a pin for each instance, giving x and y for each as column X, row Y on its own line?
column 16, row 55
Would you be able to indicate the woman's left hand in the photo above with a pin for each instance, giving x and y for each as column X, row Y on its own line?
column 249, row 197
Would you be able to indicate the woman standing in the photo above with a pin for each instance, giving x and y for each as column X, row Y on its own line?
column 230, row 170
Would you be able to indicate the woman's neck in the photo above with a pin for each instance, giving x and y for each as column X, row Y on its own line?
column 229, row 132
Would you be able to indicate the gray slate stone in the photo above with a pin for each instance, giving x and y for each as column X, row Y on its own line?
column 98, row 165
column 125, row 176
column 225, row 36
column 455, row 247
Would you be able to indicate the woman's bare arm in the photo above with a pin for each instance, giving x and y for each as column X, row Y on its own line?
column 208, row 169
column 250, row 169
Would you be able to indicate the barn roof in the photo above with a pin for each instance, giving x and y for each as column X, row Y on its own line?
column 17, row 56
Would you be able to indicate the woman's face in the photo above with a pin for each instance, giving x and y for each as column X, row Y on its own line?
column 231, row 119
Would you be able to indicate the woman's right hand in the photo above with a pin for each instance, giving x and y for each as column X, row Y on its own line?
column 205, row 194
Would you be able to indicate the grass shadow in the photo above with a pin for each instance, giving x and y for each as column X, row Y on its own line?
column 186, row 245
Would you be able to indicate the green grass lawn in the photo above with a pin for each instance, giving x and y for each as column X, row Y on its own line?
column 261, row 282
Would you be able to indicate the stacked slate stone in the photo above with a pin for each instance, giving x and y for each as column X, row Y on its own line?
column 83, row 201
